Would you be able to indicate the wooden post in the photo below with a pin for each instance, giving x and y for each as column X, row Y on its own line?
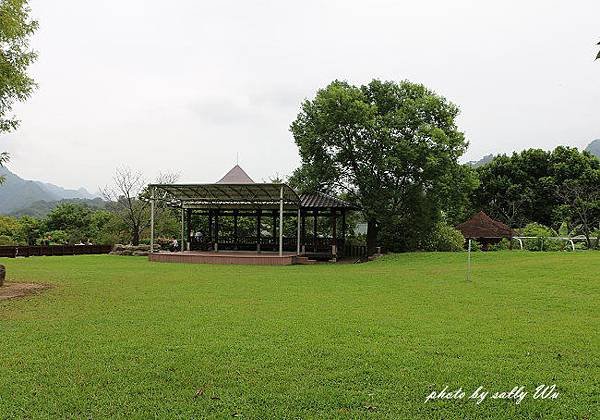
column 274, row 228
column 182, row 229
column 334, row 233
column 235, row 229
column 216, row 230
column 303, row 230
column 315, row 221
column 343, row 231
column 258, row 229
column 189, row 235
column 210, row 226
column 298, row 233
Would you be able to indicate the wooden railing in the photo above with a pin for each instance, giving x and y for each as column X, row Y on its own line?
column 49, row 250
column 320, row 246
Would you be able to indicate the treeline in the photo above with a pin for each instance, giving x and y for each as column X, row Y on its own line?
column 558, row 189
column 76, row 223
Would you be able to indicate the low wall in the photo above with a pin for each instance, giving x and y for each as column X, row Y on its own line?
column 223, row 259
column 49, row 250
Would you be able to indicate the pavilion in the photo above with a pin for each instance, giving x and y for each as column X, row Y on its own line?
column 237, row 219
column 485, row 230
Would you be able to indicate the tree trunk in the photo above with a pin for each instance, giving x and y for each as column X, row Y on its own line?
column 2, row 274
column 588, row 240
column 371, row 236
column 135, row 237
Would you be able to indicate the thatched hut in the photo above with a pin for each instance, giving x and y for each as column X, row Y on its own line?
column 485, row 230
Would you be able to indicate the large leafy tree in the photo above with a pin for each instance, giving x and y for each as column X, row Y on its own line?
column 391, row 148
column 16, row 27
column 535, row 186
column 72, row 218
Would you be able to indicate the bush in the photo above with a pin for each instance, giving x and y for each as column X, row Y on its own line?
column 6, row 241
column 504, row 244
column 540, row 232
column 444, row 238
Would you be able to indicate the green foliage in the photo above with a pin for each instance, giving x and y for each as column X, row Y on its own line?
column 392, row 148
column 503, row 245
column 15, row 57
column 57, row 237
column 30, row 230
column 119, row 337
column 545, row 187
column 444, row 238
column 67, row 223
column 6, row 240
column 9, row 226
column 540, row 243
column 74, row 220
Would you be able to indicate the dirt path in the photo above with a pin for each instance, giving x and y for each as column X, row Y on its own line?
column 16, row 290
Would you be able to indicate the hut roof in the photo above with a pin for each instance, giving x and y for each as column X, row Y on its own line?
column 483, row 226
column 236, row 175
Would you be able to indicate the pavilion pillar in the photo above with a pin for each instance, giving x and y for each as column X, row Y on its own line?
column 334, row 233
column 210, row 226
column 182, row 229
column 281, row 221
column 235, row 229
column 343, row 230
column 303, row 231
column 258, row 229
column 216, row 248
column 152, row 219
column 274, row 228
column 189, row 229
column 298, row 233
column 315, row 222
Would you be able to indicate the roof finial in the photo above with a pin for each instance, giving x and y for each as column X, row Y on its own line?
column 237, row 158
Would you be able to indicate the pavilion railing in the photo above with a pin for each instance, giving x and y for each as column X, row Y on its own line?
column 321, row 245
column 49, row 250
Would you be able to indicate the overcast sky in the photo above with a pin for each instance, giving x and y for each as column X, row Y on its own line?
column 186, row 84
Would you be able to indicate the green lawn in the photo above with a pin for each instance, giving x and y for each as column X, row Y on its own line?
column 119, row 336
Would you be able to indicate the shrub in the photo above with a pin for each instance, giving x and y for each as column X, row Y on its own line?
column 6, row 241
column 540, row 233
column 444, row 238
column 500, row 246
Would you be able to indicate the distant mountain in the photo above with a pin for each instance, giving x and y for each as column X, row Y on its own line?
column 17, row 193
column 480, row 162
column 594, row 148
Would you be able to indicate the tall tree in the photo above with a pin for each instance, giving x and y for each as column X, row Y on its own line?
column 581, row 198
column 129, row 199
column 522, row 188
column 16, row 27
column 391, row 148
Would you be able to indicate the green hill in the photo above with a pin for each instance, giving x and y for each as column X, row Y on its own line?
column 17, row 194
column 594, row 148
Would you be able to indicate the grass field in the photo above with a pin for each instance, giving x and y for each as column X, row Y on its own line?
column 122, row 337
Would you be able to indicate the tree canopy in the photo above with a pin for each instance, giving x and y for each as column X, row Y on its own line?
column 391, row 148
column 16, row 27
column 546, row 187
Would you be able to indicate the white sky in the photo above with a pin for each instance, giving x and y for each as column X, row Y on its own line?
column 186, row 84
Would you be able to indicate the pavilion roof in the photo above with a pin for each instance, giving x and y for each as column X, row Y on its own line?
column 236, row 175
column 483, row 226
column 323, row 201
column 227, row 195
column 237, row 190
